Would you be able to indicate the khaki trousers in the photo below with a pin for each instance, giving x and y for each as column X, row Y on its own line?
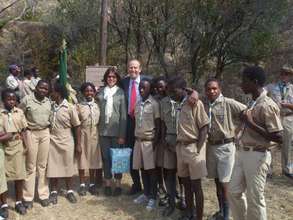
column 287, row 147
column 36, row 163
column 247, row 185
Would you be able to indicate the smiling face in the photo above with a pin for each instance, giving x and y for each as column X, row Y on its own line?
column 42, row 89
column 133, row 69
column 144, row 89
column 111, row 79
column 89, row 93
column 212, row 90
column 161, row 87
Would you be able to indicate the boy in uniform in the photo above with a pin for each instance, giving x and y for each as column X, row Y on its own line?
column 192, row 127
column 147, row 128
column 261, row 125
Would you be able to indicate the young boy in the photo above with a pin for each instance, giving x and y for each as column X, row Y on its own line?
column 147, row 128
column 15, row 123
column 261, row 125
column 192, row 126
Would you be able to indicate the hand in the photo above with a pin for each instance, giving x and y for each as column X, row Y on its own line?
column 121, row 141
column 78, row 150
column 285, row 105
column 193, row 98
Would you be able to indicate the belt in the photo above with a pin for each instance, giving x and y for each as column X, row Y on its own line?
column 144, row 139
column 256, row 149
column 187, row 142
column 223, row 141
column 37, row 129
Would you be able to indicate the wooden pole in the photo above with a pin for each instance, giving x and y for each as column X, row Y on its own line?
column 103, row 33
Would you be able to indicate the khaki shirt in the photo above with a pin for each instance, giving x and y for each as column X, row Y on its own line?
column 65, row 116
column 37, row 112
column 265, row 114
column 190, row 121
column 89, row 114
column 145, row 115
column 224, row 118
column 168, row 114
column 274, row 91
column 1, row 128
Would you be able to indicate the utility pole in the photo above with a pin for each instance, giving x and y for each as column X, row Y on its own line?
column 103, row 33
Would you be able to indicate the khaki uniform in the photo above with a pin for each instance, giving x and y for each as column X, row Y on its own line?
column 61, row 151
column 145, row 115
column 168, row 116
column 224, row 114
column 37, row 114
column 252, row 162
column 274, row 91
column 27, row 88
column 3, row 182
column 14, row 122
column 189, row 162
column 91, row 158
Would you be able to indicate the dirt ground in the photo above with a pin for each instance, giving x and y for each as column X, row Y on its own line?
column 279, row 197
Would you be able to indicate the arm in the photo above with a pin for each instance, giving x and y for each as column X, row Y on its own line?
column 287, row 105
column 5, row 137
column 122, row 124
column 77, row 135
column 202, row 137
column 157, row 131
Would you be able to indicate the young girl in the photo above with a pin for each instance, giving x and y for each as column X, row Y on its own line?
column 14, row 122
column 62, row 144
column 89, row 112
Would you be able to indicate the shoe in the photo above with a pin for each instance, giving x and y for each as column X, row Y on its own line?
column 4, row 212
column 117, row 191
column 71, row 197
column 187, row 217
column 289, row 175
column 93, row 190
column 108, row 191
column 134, row 190
column 53, row 198
column 20, row 209
column 161, row 190
column 45, row 202
column 151, row 205
column 168, row 211
column 82, row 191
column 217, row 216
column 28, row 204
column 141, row 199
column 181, row 205
column 164, row 201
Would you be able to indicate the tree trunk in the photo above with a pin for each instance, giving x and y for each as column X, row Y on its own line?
column 103, row 32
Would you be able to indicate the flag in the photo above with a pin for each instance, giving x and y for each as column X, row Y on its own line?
column 63, row 64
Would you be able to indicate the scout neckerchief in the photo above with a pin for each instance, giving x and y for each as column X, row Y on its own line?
column 108, row 96
column 178, row 110
column 90, row 104
column 173, row 112
column 56, row 108
column 141, row 110
column 211, row 106
column 283, row 90
column 10, row 122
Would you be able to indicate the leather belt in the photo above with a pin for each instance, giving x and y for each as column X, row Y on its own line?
column 187, row 142
column 256, row 149
column 144, row 139
column 223, row 141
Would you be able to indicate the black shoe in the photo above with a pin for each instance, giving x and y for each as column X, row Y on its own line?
column 45, row 202
column 164, row 201
column 181, row 205
column 71, row 197
column 217, row 216
column 20, row 209
column 93, row 190
column 117, row 191
column 108, row 191
column 4, row 212
column 53, row 198
column 187, row 217
column 82, row 191
column 28, row 204
column 168, row 210
column 134, row 190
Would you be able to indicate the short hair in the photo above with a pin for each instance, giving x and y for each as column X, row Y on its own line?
column 85, row 85
column 213, row 79
column 6, row 92
column 27, row 72
column 147, row 79
column 43, row 81
column 136, row 60
column 114, row 70
column 177, row 82
column 255, row 73
column 158, row 79
column 61, row 89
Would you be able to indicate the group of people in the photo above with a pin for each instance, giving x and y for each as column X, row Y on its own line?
column 177, row 138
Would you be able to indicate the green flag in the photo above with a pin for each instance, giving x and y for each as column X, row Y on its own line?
column 63, row 64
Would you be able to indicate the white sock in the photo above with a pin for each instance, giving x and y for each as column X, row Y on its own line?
column 92, row 184
column 69, row 191
column 82, row 185
column 4, row 206
column 18, row 202
column 52, row 192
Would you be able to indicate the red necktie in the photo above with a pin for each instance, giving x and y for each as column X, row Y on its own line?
column 132, row 99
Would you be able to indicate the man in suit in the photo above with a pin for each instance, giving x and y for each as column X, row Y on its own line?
column 130, row 85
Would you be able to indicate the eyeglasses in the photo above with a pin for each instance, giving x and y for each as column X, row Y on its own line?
column 114, row 77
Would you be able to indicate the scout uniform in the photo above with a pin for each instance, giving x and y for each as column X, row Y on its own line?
column 168, row 116
column 252, row 162
column 27, row 88
column 3, row 182
column 223, row 114
column 190, row 121
column 145, row 114
column 37, row 114
column 89, row 113
column 61, row 151
column 281, row 92
column 111, row 127
column 14, row 122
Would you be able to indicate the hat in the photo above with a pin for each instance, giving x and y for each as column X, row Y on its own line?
column 287, row 69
